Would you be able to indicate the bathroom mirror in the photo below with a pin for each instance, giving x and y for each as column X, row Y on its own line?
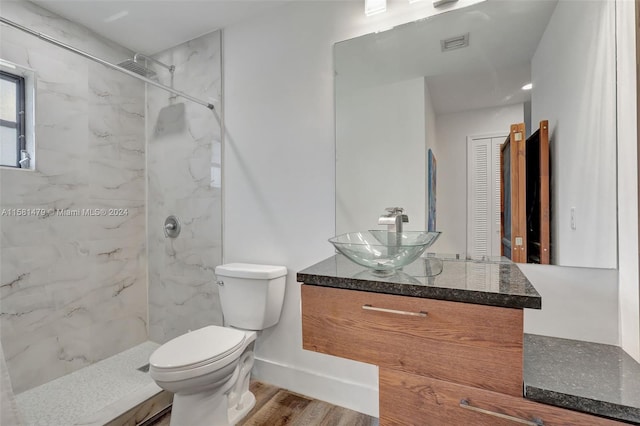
column 423, row 109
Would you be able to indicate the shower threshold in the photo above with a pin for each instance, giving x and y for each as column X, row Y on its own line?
column 113, row 391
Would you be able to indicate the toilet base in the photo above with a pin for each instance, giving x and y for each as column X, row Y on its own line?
column 235, row 414
column 223, row 404
column 209, row 410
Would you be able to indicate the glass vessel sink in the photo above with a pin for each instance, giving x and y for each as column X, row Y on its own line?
column 384, row 251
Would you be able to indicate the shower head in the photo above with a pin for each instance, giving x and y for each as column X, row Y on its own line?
column 139, row 65
column 138, row 68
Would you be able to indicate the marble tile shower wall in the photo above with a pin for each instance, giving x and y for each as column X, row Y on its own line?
column 183, row 164
column 73, row 288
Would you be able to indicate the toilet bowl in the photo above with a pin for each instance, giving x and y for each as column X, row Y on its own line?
column 209, row 369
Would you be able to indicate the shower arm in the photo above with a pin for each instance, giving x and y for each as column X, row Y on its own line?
column 105, row 63
column 171, row 68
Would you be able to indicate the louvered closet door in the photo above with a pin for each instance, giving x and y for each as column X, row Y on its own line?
column 483, row 197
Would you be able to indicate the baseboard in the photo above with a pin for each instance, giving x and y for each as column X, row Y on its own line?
column 334, row 390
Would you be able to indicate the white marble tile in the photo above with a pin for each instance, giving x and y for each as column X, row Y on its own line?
column 110, row 87
column 29, row 269
column 111, row 180
column 114, row 336
column 172, row 173
column 182, row 181
column 125, row 219
column 116, row 219
column 109, row 121
column 73, row 287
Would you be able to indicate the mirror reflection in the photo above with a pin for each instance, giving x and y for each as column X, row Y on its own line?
column 435, row 115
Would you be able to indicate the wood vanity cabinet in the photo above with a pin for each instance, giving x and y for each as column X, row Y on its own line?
column 475, row 345
column 407, row 399
column 431, row 354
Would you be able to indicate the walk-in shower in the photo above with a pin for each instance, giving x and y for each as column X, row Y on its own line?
column 89, row 290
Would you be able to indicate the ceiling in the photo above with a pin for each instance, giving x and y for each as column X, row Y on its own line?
column 150, row 26
column 503, row 37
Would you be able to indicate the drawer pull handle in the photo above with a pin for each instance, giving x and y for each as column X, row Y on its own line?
column 465, row 404
column 393, row 311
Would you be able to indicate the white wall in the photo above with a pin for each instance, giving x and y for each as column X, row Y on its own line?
column 279, row 178
column 381, row 125
column 629, row 280
column 577, row 303
column 279, row 171
column 453, row 130
column 578, row 68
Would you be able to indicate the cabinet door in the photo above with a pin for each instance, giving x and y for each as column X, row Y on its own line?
column 407, row 399
column 465, row 343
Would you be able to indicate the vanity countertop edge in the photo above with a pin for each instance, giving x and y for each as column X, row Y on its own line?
column 507, row 286
column 590, row 377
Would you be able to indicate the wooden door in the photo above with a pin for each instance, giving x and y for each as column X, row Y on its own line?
column 538, row 196
column 513, row 201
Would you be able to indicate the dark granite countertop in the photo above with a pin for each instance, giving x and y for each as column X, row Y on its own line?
column 590, row 377
column 494, row 283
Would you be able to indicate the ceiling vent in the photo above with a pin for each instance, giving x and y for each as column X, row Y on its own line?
column 456, row 42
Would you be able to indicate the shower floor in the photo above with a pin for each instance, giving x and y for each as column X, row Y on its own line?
column 94, row 395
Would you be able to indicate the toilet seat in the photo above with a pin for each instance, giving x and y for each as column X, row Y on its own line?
column 198, row 348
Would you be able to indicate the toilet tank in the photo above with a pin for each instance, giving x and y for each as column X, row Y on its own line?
column 251, row 295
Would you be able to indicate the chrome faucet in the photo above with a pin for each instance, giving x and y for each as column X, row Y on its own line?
column 393, row 219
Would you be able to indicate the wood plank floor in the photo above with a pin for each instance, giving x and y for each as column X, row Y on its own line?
column 279, row 407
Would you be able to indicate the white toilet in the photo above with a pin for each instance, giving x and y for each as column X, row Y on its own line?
column 208, row 369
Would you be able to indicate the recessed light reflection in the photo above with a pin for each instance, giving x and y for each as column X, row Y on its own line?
column 528, row 86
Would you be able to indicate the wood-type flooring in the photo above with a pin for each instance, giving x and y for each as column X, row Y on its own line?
column 279, row 407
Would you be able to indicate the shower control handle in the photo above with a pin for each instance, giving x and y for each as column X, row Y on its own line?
column 171, row 227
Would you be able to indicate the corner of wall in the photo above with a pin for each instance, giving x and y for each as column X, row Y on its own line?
column 628, row 250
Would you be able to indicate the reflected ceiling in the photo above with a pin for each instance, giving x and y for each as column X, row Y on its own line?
column 492, row 56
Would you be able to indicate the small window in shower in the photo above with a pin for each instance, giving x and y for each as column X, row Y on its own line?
column 16, row 117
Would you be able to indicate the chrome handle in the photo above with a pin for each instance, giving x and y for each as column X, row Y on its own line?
column 465, row 404
column 171, row 227
column 394, row 311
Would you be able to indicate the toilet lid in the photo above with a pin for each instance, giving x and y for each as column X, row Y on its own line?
column 198, row 347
